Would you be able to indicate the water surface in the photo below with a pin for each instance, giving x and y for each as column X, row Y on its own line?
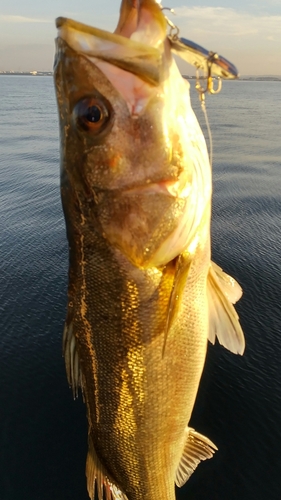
column 43, row 432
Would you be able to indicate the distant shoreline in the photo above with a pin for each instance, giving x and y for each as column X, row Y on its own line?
column 26, row 73
column 187, row 77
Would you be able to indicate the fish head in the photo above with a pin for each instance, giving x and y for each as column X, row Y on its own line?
column 131, row 146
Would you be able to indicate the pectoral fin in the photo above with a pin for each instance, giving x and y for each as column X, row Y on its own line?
column 98, row 479
column 223, row 291
column 197, row 447
column 72, row 363
column 182, row 266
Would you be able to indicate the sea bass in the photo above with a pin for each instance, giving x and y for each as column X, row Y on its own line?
column 143, row 294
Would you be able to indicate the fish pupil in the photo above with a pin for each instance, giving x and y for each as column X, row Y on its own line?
column 93, row 114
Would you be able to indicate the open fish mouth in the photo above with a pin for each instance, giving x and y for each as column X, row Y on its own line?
column 135, row 46
column 140, row 21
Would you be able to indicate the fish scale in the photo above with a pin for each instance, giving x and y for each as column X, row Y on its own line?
column 125, row 396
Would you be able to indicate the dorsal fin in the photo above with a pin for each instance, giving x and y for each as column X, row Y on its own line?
column 99, row 480
column 223, row 291
column 197, row 447
column 72, row 362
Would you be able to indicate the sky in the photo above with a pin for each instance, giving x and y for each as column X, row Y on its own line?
column 246, row 32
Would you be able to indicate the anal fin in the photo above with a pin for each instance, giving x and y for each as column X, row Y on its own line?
column 197, row 448
column 99, row 480
column 223, row 291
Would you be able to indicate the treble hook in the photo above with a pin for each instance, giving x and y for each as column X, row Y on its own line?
column 210, row 80
column 213, row 56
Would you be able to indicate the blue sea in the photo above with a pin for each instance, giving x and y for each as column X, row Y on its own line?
column 43, row 432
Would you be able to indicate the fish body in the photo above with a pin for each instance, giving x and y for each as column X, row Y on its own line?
column 143, row 296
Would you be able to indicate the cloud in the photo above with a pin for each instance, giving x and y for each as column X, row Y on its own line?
column 22, row 19
column 227, row 22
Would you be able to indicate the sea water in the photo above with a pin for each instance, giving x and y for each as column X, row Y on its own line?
column 43, row 432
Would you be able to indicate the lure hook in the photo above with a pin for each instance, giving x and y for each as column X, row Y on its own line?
column 210, row 80
column 213, row 56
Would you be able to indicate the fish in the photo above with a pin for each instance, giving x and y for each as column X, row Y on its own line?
column 144, row 296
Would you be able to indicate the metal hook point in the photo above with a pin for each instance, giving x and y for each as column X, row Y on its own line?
column 169, row 9
column 211, row 85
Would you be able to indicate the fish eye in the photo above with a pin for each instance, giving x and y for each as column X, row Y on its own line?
column 91, row 114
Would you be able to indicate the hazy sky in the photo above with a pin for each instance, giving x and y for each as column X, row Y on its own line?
column 247, row 32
